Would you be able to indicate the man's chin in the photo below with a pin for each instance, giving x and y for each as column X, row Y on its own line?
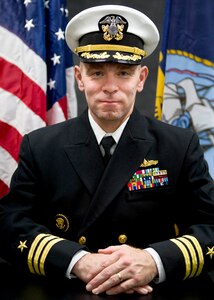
column 109, row 116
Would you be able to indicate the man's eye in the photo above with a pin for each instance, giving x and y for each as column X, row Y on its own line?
column 124, row 73
column 95, row 74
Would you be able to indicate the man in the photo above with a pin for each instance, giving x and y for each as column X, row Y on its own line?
column 147, row 214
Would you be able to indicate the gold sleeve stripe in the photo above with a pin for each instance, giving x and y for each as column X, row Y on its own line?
column 39, row 251
column 32, row 249
column 45, row 253
column 199, row 252
column 186, row 256
column 192, row 254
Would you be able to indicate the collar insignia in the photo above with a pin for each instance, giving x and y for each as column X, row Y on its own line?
column 22, row 245
column 210, row 252
column 113, row 27
column 148, row 163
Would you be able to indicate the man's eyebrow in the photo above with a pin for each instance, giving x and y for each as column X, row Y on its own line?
column 94, row 66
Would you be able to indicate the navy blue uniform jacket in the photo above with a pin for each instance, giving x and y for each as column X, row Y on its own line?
column 156, row 191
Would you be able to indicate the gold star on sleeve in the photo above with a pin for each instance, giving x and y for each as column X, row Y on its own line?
column 210, row 252
column 22, row 245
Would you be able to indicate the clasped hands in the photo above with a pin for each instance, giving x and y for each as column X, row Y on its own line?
column 117, row 269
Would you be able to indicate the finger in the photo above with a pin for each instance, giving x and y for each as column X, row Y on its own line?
column 107, row 275
column 109, row 249
column 129, row 292
column 126, row 288
column 123, row 287
column 143, row 290
column 106, row 285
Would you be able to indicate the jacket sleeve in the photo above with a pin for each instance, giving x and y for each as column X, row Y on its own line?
column 26, row 243
column 192, row 253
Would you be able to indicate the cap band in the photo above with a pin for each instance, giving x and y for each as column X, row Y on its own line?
column 107, row 47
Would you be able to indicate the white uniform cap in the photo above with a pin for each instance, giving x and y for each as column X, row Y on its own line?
column 111, row 33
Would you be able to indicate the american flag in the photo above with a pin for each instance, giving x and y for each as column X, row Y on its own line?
column 36, row 74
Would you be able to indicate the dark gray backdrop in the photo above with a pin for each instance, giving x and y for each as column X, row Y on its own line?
column 154, row 9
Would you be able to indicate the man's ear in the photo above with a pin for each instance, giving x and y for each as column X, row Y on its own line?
column 78, row 76
column 144, row 71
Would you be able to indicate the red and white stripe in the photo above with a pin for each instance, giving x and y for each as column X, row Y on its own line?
column 66, row 107
column 22, row 100
column 23, row 82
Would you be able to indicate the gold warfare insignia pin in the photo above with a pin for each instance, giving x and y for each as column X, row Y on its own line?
column 22, row 245
column 62, row 222
column 148, row 163
column 210, row 252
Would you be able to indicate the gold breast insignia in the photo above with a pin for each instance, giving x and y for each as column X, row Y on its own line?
column 148, row 163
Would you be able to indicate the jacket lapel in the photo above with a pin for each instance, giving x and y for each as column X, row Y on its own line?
column 84, row 154
column 121, row 167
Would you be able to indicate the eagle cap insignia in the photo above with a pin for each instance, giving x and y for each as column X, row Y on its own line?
column 113, row 27
column 62, row 222
column 148, row 163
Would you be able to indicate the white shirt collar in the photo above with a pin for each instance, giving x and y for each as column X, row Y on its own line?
column 100, row 133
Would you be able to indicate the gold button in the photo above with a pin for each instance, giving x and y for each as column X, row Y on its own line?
column 122, row 238
column 82, row 240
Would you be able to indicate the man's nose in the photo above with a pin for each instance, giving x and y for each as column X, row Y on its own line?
column 110, row 84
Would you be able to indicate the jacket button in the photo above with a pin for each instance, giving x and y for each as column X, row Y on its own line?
column 122, row 238
column 82, row 240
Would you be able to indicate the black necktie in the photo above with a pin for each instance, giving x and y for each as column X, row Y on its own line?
column 107, row 142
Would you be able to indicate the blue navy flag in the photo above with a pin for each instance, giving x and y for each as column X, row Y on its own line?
column 36, row 74
column 185, row 88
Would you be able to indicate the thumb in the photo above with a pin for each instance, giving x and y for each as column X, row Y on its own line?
column 109, row 249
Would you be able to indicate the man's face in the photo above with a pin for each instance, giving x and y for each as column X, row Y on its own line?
column 110, row 89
